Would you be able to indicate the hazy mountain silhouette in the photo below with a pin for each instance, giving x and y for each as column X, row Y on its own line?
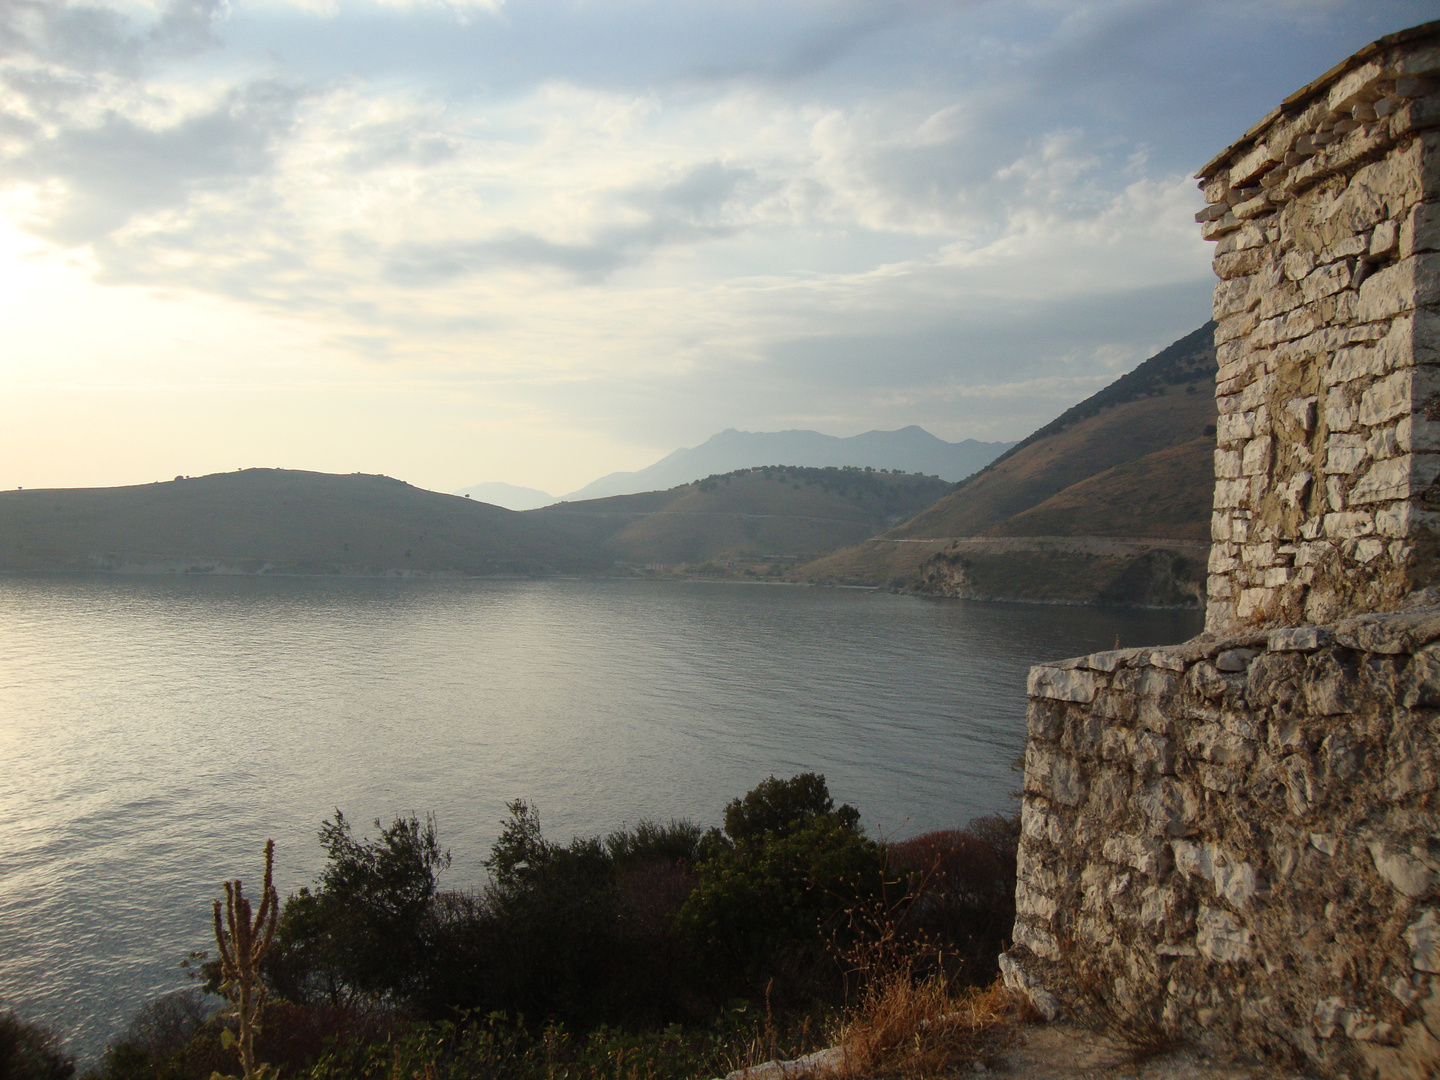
column 911, row 449
column 510, row 496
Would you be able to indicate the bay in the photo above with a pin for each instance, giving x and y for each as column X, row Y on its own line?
column 156, row 730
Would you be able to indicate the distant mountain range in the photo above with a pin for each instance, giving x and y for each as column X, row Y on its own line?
column 509, row 496
column 911, row 450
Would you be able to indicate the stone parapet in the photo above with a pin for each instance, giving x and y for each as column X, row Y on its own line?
column 1326, row 217
column 1236, row 840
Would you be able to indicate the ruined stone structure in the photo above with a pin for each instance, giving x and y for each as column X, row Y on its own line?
column 1328, row 253
column 1237, row 840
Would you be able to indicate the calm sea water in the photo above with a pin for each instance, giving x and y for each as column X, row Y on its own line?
column 155, row 731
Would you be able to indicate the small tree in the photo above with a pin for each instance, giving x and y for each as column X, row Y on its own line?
column 243, row 939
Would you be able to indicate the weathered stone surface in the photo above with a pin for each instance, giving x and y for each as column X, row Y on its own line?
column 1290, row 805
column 1062, row 685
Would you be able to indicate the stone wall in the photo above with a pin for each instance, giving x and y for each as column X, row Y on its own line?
column 1327, row 221
column 1235, row 840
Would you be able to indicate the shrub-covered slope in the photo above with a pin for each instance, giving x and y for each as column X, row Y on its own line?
column 748, row 514
column 274, row 520
column 1121, row 476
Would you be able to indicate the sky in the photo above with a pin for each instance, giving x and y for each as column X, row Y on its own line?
column 537, row 241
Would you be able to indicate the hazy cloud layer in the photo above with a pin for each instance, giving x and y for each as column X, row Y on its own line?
column 650, row 220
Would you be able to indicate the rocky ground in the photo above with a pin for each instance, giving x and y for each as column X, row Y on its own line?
column 1063, row 1052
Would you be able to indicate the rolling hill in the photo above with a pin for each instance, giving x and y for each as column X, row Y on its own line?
column 1109, row 502
column 756, row 518
column 910, row 449
column 275, row 521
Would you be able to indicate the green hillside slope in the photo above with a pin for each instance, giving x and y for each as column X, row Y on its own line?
column 751, row 516
column 1110, row 502
column 274, row 521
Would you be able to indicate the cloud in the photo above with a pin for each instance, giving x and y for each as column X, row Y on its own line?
column 109, row 173
column 654, row 219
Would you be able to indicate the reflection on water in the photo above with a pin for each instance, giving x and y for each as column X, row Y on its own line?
column 158, row 730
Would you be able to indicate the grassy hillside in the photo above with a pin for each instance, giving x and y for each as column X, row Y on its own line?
column 274, row 521
column 1132, row 462
column 750, row 515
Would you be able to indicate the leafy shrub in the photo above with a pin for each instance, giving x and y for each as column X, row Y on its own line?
column 787, row 864
column 363, row 932
column 777, row 808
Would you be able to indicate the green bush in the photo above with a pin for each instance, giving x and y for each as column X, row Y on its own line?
column 364, row 932
column 770, row 891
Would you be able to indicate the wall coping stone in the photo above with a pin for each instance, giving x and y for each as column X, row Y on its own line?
column 1383, row 632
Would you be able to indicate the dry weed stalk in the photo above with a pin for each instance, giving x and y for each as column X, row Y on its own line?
column 912, row 1026
column 242, row 940
column 1139, row 1033
column 908, row 1021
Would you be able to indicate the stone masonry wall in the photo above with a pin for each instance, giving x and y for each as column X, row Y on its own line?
column 1327, row 222
column 1238, row 840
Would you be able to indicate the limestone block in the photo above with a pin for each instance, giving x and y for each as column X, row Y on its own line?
column 1344, row 454
column 1361, row 84
column 1403, row 872
column 1143, row 853
column 1015, row 977
column 1223, row 555
column 1382, row 443
column 1353, row 363
column 1384, row 240
column 1256, row 457
column 1062, row 684
column 1053, row 775
column 1417, row 433
column 1401, row 287
column 1037, row 939
column 1385, row 481
column 1298, row 639
column 1397, row 478
column 1251, row 165
column 1367, row 551
column 1253, row 602
column 1257, row 391
column 1037, row 823
column 1157, row 680
column 1044, row 718
column 1221, row 936
column 1302, row 412
column 1420, row 230
column 1345, row 248
column 1386, row 399
column 1348, row 525
column 1234, row 427
column 1235, row 659
column 1212, row 743
column 1327, row 280
column 1170, row 806
column 1031, row 901
column 1297, row 263
column 1423, row 937
column 1339, row 415
column 1391, row 633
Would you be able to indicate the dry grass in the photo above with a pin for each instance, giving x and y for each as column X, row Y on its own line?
column 909, row 1027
